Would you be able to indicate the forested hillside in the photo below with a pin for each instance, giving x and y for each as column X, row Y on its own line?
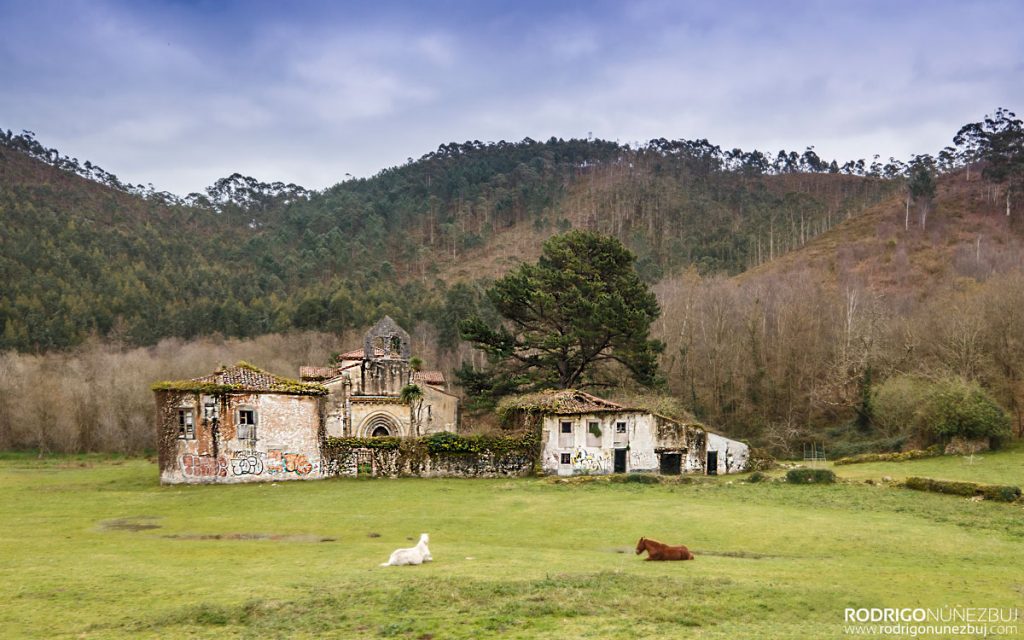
column 84, row 254
column 792, row 290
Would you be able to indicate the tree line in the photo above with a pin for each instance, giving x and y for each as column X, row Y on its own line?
column 786, row 360
column 247, row 258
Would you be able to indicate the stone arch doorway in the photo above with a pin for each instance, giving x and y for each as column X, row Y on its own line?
column 380, row 425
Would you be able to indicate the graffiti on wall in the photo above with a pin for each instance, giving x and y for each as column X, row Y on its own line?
column 197, row 466
column 245, row 463
column 250, row 463
column 281, row 462
column 643, row 460
column 588, row 461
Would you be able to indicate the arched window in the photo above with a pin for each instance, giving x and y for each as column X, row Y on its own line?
column 380, row 432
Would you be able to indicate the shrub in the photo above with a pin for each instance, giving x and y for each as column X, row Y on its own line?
column 388, row 443
column 1000, row 493
column 942, row 486
column 810, row 476
column 957, row 408
column 897, row 404
column 938, row 410
column 638, row 478
column 913, row 454
column 847, row 449
column 760, row 460
column 757, row 476
column 445, row 442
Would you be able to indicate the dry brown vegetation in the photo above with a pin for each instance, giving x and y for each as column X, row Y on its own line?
column 97, row 397
column 788, row 351
column 776, row 360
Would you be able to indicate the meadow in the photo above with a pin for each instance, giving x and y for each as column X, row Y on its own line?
column 94, row 547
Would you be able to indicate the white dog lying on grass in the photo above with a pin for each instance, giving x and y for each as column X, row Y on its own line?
column 413, row 555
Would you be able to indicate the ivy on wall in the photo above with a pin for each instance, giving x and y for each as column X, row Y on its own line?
column 444, row 452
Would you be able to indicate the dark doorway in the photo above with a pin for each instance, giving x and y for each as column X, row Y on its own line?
column 671, row 464
column 712, row 468
column 620, row 461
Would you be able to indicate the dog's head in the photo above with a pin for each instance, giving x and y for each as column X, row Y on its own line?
column 424, row 538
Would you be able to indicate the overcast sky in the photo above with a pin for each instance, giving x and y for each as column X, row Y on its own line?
column 180, row 93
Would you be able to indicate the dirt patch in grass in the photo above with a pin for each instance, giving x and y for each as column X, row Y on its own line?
column 275, row 537
column 131, row 523
column 747, row 555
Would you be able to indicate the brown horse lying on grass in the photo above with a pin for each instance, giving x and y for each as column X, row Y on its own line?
column 659, row 551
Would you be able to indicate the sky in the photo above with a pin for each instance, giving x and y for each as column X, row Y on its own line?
column 179, row 93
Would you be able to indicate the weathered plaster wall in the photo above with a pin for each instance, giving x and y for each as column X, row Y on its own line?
column 732, row 454
column 440, row 410
column 647, row 438
column 334, row 415
column 687, row 441
column 596, row 454
column 289, row 432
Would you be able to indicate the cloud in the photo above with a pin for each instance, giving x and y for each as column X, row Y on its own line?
column 180, row 94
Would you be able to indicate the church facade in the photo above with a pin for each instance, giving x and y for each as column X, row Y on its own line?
column 366, row 386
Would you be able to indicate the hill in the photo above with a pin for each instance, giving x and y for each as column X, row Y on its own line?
column 792, row 350
column 86, row 255
column 965, row 234
column 790, row 287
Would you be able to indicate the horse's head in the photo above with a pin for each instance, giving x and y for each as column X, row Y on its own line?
column 641, row 545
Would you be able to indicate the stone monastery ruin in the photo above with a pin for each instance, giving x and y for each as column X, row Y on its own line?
column 373, row 413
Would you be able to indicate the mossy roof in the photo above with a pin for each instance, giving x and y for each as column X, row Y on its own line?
column 575, row 402
column 242, row 378
column 561, row 402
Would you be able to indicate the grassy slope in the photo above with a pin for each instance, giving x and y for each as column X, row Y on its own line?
column 993, row 467
column 548, row 560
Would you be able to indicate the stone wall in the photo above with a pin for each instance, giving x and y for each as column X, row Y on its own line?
column 445, row 456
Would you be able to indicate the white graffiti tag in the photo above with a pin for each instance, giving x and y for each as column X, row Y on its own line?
column 246, row 464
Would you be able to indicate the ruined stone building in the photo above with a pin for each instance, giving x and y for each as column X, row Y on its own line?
column 366, row 385
column 240, row 424
column 581, row 433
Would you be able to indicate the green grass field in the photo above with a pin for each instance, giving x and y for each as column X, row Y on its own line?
column 1005, row 466
column 95, row 548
